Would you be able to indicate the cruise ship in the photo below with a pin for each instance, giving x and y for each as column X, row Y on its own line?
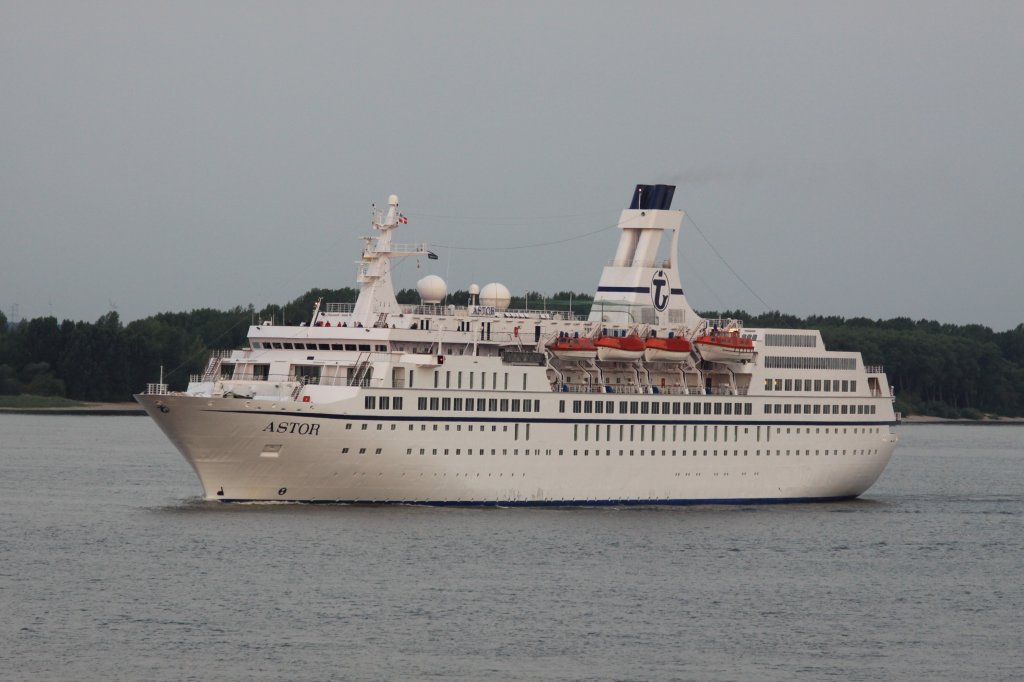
column 642, row 401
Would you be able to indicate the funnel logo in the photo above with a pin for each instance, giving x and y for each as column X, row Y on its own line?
column 660, row 290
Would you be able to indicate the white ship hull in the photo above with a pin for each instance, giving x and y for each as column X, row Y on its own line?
column 477, row 404
column 239, row 454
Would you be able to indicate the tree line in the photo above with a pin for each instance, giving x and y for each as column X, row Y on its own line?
column 936, row 369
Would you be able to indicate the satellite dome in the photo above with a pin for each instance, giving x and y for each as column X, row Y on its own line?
column 474, row 289
column 496, row 295
column 432, row 289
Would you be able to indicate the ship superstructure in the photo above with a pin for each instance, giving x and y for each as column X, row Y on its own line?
column 643, row 401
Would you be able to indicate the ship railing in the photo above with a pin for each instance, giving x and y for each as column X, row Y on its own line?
column 611, row 389
column 441, row 310
column 222, row 354
column 874, row 369
column 405, row 248
column 339, row 307
column 156, row 389
column 310, row 380
column 633, row 263
column 722, row 323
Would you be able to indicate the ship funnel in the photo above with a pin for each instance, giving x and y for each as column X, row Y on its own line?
column 652, row 197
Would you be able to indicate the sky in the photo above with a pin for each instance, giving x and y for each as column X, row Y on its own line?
column 836, row 158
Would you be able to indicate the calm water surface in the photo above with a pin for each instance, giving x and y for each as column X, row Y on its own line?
column 112, row 568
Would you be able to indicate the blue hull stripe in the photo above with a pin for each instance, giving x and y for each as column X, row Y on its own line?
column 626, row 290
column 633, row 290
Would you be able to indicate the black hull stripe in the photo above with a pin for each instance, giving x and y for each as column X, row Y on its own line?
column 534, row 420
column 565, row 503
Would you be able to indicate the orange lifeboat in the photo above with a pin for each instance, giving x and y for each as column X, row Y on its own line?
column 573, row 348
column 667, row 349
column 729, row 347
column 619, row 347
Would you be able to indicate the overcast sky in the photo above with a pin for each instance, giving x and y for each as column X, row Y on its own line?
column 857, row 159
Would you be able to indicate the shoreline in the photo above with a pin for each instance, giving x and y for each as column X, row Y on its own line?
column 131, row 409
column 987, row 421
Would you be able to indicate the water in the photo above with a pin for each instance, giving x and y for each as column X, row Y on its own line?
column 112, row 568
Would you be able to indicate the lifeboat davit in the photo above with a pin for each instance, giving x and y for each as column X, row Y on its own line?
column 667, row 349
column 729, row 347
column 619, row 347
column 573, row 348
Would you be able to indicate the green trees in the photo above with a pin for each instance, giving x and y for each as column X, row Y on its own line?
column 939, row 369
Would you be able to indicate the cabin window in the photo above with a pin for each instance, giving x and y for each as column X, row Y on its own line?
column 457, row 404
column 480, row 402
column 434, row 403
column 370, row 402
column 561, row 406
column 397, row 402
column 446, row 404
